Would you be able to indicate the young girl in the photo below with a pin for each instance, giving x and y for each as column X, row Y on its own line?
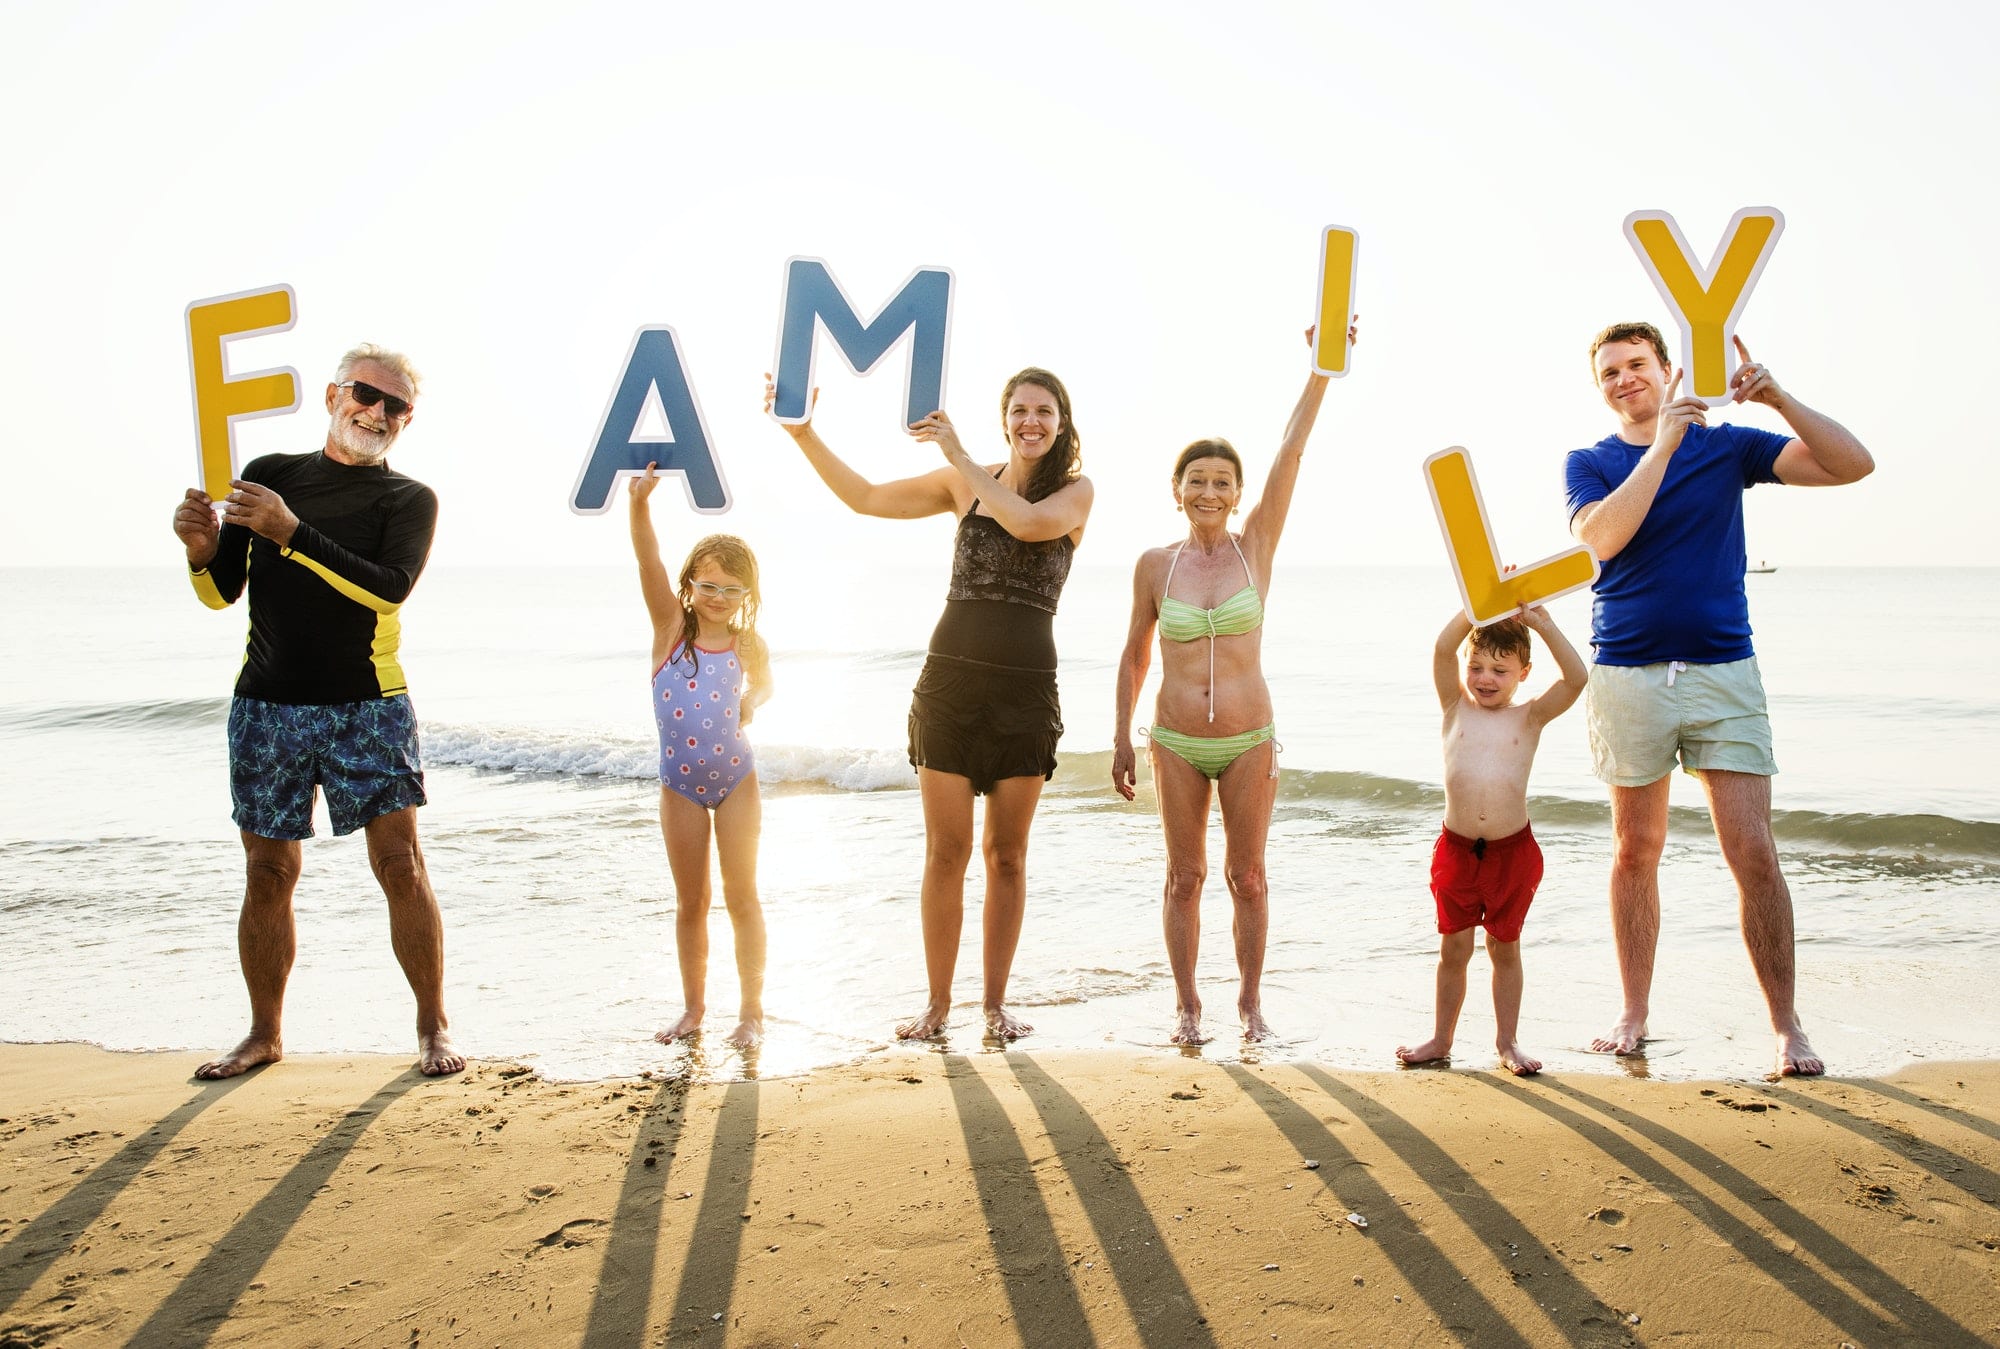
column 711, row 671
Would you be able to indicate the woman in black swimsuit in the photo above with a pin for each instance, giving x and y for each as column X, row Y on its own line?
column 985, row 718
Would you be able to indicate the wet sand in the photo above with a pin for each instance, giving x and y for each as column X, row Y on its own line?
column 989, row 1199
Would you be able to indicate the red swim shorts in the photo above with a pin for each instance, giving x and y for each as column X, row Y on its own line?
column 1485, row 881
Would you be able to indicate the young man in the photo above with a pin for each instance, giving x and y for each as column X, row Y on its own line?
column 1486, row 865
column 330, row 544
column 1660, row 502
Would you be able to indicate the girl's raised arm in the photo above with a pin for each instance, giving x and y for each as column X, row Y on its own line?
column 663, row 602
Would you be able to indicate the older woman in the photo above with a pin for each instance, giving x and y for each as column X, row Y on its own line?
column 1212, row 725
column 984, row 719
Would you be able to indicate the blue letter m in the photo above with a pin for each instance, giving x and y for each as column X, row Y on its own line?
column 811, row 293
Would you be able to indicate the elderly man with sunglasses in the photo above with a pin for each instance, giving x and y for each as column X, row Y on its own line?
column 329, row 544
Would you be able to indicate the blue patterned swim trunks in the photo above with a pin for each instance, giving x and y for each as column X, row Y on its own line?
column 363, row 754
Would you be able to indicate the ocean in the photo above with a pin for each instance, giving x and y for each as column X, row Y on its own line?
column 121, row 873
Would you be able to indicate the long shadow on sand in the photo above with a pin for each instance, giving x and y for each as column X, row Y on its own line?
column 1463, row 1311
column 1024, row 1240
column 1954, row 1167
column 202, row 1300
column 1575, row 1313
column 1962, row 1118
column 1156, row 1295
column 624, row 1296
column 35, row 1247
column 708, row 1275
column 1918, row 1319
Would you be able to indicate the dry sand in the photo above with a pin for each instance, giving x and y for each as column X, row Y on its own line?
column 989, row 1199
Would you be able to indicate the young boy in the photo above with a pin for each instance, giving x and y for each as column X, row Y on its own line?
column 1486, row 865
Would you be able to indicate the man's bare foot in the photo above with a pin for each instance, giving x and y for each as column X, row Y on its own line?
column 1433, row 1050
column 1187, row 1027
column 255, row 1050
column 436, row 1057
column 686, row 1028
column 1796, row 1057
column 925, row 1025
column 1625, row 1038
column 1004, row 1025
column 749, row 1033
column 1517, row 1062
column 1255, row 1028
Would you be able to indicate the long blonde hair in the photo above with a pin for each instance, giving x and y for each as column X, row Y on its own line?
column 732, row 555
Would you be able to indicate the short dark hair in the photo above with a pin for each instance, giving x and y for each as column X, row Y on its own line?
column 1215, row 447
column 1631, row 332
column 1508, row 637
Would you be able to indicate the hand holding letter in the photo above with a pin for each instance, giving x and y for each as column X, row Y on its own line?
column 260, row 510
column 196, row 527
column 1752, row 383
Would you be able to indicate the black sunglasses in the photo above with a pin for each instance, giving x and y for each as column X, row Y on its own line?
column 368, row 396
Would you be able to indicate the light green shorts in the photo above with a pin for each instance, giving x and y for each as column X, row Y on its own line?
column 1644, row 718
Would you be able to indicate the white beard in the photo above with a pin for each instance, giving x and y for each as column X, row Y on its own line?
column 358, row 445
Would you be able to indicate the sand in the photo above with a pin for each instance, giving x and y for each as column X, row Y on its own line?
column 989, row 1199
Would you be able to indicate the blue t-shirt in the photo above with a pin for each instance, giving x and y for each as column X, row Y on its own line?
column 1675, row 592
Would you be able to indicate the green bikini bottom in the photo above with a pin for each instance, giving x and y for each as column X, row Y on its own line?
column 1210, row 755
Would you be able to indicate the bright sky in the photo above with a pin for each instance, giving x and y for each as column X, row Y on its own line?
column 1129, row 194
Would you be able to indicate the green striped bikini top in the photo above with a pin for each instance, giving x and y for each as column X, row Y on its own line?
column 1240, row 613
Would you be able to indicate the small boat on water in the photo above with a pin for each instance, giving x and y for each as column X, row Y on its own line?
column 1761, row 568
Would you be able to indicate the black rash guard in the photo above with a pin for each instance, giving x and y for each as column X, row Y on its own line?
column 324, row 625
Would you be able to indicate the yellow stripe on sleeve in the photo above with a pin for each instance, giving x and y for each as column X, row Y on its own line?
column 341, row 583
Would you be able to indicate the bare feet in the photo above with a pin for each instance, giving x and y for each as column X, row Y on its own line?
column 255, row 1050
column 1187, row 1027
column 686, row 1028
column 1518, row 1063
column 1625, row 1038
column 749, row 1033
column 1796, row 1057
column 436, row 1057
column 1004, row 1025
column 925, row 1025
column 1255, row 1028
column 1432, row 1050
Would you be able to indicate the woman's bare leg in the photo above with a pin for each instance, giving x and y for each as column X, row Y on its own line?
column 947, row 852
column 1184, row 796
column 1010, row 813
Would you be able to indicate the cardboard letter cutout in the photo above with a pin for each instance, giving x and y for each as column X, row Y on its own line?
column 1490, row 594
column 1706, row 300
column 221, row 401
column 813, row 298
column 653, row 376
column 1331, row 350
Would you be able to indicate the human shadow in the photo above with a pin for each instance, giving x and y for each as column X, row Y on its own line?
column 35, row 1247
column 204, row 1298
column 1964, row 1119
column 708, row 1274
column 1430, row 1270
column 1575, row 1313
column 1864, row 1323
column 624, row 1296
column 1959, row 1169
column 1033, row 1271
column 1156, row 1295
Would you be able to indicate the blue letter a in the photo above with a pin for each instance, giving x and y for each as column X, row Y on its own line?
column 924, row 303
column 653, row 365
